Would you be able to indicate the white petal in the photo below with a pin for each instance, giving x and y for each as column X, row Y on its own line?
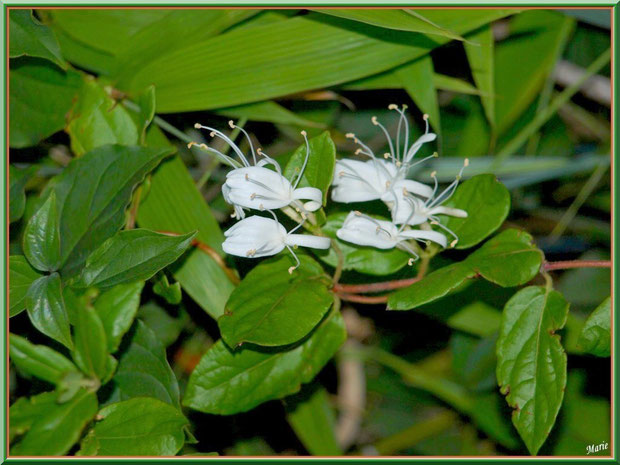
column 414, row 187
column 312, row 206
column 457, row 212
column 424, row 138
column 402, row 207
column 365, row 231
column 305, row 240
column 258, row 188
column 308, row 193
column 255, row 236
column 433, row 236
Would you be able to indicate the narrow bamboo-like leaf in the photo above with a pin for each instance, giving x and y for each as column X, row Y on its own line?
column 227, row 382
column 91, row 351
column 312, row 418
column 595, row 337
column 27, row 36
column 271, row 112
column 417, row 80
column 531, row 362
column 143, row 370
column 21, row 276
column 92, row 193
column 132, row 255
column 41, row 237
column 480, row 53
column 487, row 203
column 59, row 427
column 85, row 56
column 117, row 308
column 46, row 309
column 158, row 425
column 272, row 307
column 38, row 360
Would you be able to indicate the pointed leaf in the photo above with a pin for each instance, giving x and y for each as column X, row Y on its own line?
column 91, row 352
column 17, row 197
column 595, row 337
column 531, row 362
column 41, row 237
column 38, row 360
column 480, row 53
column 21, row 276
column 27, row 36
column 26, row 410
column 417, row 80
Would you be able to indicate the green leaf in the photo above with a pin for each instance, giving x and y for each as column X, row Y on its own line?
column 27, row 36
column 97, row 120
column 174, row 204
column 58, row 427
column 477, row 318
column 17, row 196
column 367, row 260
column 272, row 307
column 227, row 382
column 41, row 237
column 271, row 54
column 117, row 308
column 132, row 255
column 92, row 193
column 46, row 309
column 83, row 55
column 143, row 370
column 312, row 418
column 268, row 111
column 509, row 259
column 487, row 203
column 399, row 19
column 166, row 327
column 40, row 95
column 170, row 292
column 480, row 54
column 595, row 337
column 91, row 349
column 146, row 102
column 38, row 360
column 21, row 276
column 139, row 426
column 417, row 80
column 26, row 410
column 320, row 168
column 531, row 362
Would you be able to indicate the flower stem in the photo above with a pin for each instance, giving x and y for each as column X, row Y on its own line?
column 375, row 287
column 363, row 299
column 339, row 265
column 567, row 264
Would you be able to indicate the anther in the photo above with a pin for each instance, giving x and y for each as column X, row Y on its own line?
column 398, row 164
column 259, row 151
column 191, row 144
column 253, row 196
column 349, row 135
column 304, row 133
column 247, row 177
column 212, row 133
column 405, row 106
column 261, row 207
column 453, row 243
column 358, row 151
column 374, row 120
column 392, row 106
column 291, row 269
column 466, row 162
column 425, row 116
column 410, row 261
column 386, row 155
column 357, row 213
column 433, row 174
column 197, row 125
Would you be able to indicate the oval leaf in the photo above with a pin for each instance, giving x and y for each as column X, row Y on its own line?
column 272, row 307
column 38, row 360
column 91, row 353
column 41, row 237
column 21, row 276
column 595, row 337
column 531, row 362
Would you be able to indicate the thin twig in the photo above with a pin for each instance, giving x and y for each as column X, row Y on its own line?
column 374, row 287
column 567, row 264
column 363, row 299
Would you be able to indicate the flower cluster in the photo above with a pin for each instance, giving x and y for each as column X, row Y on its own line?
column 256, row 187
column 410, row 202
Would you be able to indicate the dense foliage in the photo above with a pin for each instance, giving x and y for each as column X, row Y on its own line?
column 462, row 333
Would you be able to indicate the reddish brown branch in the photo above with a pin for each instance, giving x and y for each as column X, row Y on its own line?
column 375, row 287
column 565, row 265
column 363, row 299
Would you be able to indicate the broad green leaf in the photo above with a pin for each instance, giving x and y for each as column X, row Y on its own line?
column 92, row 193
column 367, row 260
column 41, row 237
column 272, row 307
column 166, row 327
column 27, row 36
column 21, row 276
column 170, row 292
column 452, row 84
column 268, row 111
column 417, row 80
column 487, row 203
column 132, row 255
column 26, row 410
column 117, row 308
column 509, row 259
column 595, row 337
column 312, row 418
column 477, row 318
column 227, row 382
column 232, row 63
column 46, row 309
column 38, row 360
column 146, row 102
column 17, row 196
column 480, row 54
column 58, row 427
column 531, row 362
column 143, row 370
column 390, row 80
column 139, row 426
column 91, row 347
column 320, row 168
column 174, row 204
column 40, row 95
column 83, row 55
column 474, row 361
column 399, row 19
column 492, row 416
column 96, row 120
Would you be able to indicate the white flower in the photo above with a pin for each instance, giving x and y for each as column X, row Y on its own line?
column 260, row 188
column 363, row 230
column 257, row 236
column 374, row 179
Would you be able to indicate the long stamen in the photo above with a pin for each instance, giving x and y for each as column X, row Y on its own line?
column 293, row 268
column 258, row 183
column 402, row 118
column 270, row 160
column 247, row 136
column 449, row 191
column 375, row 222
column 301, row 173
column 376, row 122
column 225, row 138
column 304, row 218
column 435, row 222
column 409, row 198
column 224, row 158
column 407, row 248
column 434, row 155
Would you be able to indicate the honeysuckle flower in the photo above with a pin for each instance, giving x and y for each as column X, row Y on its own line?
column 257, row 236
column 374, row 179
column 258, row 187
column 364, row 230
